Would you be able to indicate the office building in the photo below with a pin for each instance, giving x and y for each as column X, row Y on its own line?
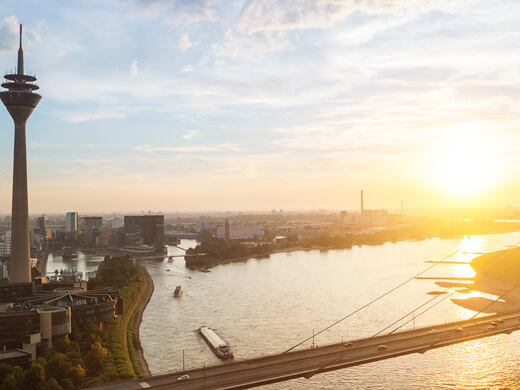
column 42, row 221
column 148, row 228
column 5, row 243
column 91, row 227
column 236, row 232
column 71, row 223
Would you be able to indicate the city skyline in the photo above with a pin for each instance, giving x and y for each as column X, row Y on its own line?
column 254, row 105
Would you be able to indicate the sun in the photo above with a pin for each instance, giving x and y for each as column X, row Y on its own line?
column 466, row 166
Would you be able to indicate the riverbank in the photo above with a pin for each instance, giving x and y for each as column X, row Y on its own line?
column 224, row 249
column 143, row 365
column 130, row 324
column 135, row 286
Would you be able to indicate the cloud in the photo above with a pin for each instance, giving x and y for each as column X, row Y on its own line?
column 185, row 43
column 237, row 43
column 261, row 15
column 134, row 70
column 188, row 149
column 83, row 116
column 176, row 11
column 9, row 34
column 187, row 69
column 190, row 134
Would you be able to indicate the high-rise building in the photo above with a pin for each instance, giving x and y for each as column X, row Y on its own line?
column 149, row 228
column 20, row 101
column 42, row 221
column 91, row 227
column 71, row 222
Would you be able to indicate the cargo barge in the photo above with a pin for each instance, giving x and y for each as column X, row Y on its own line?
column 178, row 291
column 218, row 345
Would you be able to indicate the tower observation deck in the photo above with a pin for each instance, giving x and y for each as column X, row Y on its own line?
column 20, row 101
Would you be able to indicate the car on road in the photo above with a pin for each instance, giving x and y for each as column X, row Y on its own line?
column 433, row 331
column 458, row 330
column 382, row 347
column 491, row 326
column 183, row 378
column 349, row 344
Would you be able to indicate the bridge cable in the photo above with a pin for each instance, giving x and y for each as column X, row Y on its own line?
column 314, row 372
column 497, row 259
column 389, row 291
column 418, row 315
column 371, row 302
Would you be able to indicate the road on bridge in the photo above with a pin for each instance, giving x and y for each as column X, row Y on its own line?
column 308, row 362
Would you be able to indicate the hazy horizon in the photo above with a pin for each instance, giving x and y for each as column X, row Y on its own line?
column 216, row 105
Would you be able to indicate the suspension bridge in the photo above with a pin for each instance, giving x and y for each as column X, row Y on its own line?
column 312, row 361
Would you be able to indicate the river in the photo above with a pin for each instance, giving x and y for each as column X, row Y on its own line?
column 85, row 263
column 264, row 306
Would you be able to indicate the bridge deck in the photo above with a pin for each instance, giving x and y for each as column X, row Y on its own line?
column 308, row 362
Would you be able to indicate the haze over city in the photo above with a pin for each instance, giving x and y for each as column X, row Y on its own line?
column 218, row 105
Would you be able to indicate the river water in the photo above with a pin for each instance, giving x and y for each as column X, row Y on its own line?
column 264, row 306
column 85, row 263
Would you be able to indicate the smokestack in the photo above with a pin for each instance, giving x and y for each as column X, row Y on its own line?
column 361, row 201
column 402, row 207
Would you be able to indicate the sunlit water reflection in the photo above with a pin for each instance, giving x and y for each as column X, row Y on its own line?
column 265, row 306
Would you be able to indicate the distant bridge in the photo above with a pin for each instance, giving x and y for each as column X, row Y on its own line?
column 306, row 363
column 170, row 257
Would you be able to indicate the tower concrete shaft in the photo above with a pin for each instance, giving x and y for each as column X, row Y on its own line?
column 20, row 101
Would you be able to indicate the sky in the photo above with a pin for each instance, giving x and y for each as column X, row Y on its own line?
column 201, row 105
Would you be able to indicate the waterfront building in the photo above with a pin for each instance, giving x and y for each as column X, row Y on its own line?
column 236, row 232
column 91, row 227
column 42, row 221
column 71, row 223
column 20, row 101
column 35, row 238
column 367, row 218
column 4, row 267
column 148, row 229
column 5, row 243
column 16, row 358
column 116, row 223
column 51, row 310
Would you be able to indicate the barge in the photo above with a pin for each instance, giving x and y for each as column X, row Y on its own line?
column 178, row 291
column 221, row 348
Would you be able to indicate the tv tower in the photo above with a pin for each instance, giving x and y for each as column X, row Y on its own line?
column 20, row 101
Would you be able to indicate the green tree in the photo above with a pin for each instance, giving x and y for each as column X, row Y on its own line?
column 33, row 377
column 95, row 358
column 10, row 383
column 62, row 344
column 58, row 367
column 5, row 370
column 51, row 384
column 75, row 358
column 77, row 374
column 41, row 361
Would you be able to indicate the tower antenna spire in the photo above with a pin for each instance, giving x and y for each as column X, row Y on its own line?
column 20, row 54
